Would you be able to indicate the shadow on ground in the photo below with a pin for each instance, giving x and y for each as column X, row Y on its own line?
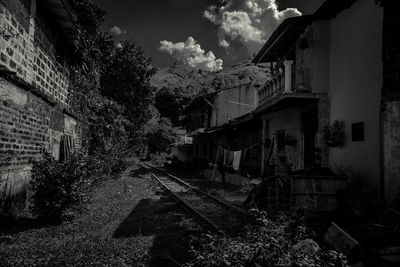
column 12, row 226
column 138, row 172
column 165, row 221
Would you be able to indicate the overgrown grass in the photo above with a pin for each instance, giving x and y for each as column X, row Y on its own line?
column 127, row 223
column 88, row 239
column 270, row 241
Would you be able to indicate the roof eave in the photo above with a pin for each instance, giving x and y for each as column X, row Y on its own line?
column 280, row 32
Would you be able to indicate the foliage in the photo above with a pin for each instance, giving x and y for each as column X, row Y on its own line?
column 111, row 85
column 127, row 81
column 88, row 239
column 105, row 130
column 269, row 242
column 160, row 136
column 57, row 187
column 171, row 103
column 93, row 46
column 178, row 85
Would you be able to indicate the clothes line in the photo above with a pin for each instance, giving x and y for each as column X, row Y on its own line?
column 247, row 148
column 231, row 158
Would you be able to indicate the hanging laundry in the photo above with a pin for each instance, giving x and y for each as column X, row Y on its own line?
column 236, row 160
column 228, row 158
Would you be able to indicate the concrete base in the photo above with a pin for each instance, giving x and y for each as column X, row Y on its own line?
column 13, row 190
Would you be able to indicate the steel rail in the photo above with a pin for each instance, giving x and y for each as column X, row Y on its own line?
column 192, row 210
column 185, row 205
column 217, row 200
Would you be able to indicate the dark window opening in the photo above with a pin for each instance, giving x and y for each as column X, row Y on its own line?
column 280, row 140
column 357, row 132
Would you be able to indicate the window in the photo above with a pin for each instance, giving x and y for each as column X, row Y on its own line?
column 357, row 132
column 280, row 140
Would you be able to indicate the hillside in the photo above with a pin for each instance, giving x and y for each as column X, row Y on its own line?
column 177, row 86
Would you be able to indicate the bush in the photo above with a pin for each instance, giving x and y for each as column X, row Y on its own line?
column 267, row 242
column 59, row 187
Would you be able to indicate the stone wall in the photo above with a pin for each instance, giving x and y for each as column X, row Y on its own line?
column 33, row 98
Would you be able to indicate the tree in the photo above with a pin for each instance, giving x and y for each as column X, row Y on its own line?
column 111, row 83
column 170, row 103
column 94, row 47
column 127, row 80
column 160, row 136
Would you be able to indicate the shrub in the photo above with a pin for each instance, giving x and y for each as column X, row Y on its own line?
column 59, row 187
column 267, row 242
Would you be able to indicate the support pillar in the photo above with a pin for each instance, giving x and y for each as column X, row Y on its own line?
column 288, row 75
column 264, row 135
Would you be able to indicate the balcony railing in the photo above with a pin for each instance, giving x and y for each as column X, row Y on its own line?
column 279, row 84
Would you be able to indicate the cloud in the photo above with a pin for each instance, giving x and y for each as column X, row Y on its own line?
column 191, row 54
column 248, row 22
column 117, row 31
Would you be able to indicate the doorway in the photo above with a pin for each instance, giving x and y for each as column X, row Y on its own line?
column 309, row 122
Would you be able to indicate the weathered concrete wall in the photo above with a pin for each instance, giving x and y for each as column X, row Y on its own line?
column 355, row 81
column 289, row 122
column 303, row 63
column 320, row 56
column 391, row 96
column 226, row 110
column 391, row 136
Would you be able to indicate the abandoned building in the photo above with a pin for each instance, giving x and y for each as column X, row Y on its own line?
column 210, row 120
column 36, row 39
column 332, row 99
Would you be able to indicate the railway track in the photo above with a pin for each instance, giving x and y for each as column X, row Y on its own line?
column 211, row 212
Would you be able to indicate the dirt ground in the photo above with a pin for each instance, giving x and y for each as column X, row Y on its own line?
column 128, row 223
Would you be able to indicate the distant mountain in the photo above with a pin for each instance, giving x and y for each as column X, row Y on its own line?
column 177, row 86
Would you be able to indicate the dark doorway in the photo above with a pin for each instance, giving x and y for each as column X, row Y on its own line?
column 309, row 122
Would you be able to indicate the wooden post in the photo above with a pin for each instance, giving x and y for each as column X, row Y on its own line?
column 288, row 75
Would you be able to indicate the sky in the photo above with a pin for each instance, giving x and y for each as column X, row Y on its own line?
column 204, row 34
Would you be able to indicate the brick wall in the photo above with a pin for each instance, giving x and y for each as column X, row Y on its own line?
column 33, row 101
column 29, row 49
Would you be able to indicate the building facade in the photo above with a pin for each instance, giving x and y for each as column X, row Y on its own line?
column 34, row 87
column 333, row 98
column 335, row 57
column 208, row 117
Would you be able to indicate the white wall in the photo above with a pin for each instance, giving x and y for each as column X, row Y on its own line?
column 355, row 82
column 320, row 56
column 225, row 110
